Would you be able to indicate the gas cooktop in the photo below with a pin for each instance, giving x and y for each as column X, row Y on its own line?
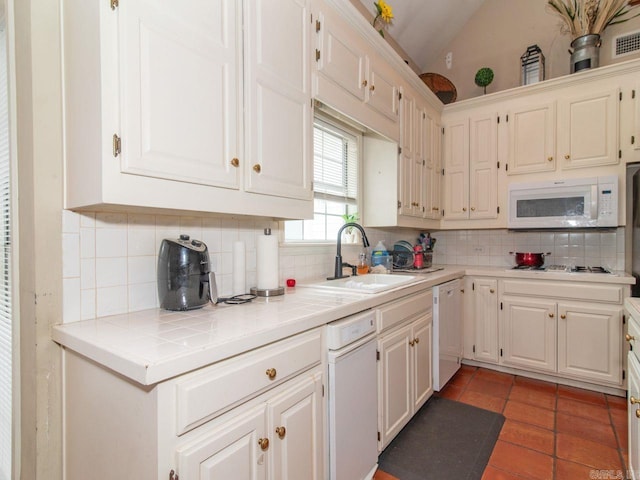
column 565, row 269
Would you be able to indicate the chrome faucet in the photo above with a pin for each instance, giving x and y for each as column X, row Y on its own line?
column 339, row 263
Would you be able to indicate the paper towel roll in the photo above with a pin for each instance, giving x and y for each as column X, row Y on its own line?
column 267, row 261
column 239, row 268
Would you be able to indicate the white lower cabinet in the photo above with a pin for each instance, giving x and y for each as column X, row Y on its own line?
column 405, row 380
column 572, row 330
column 485, row 307
column 633, row 416
column 278, row 439
column 528, row 333
column 255, row 416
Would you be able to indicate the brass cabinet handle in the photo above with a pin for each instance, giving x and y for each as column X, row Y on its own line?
column 567, row 157
column 551, row 315
column 235, row 162
column 281, row 431
column 549, row 159
column 473, row 209
column 464, row 209
column 412, row 343
column 435, row 209
column 491, row 290
column 628, row 337
column 364, row 83
column 638, row 413
column 257, row 168
column 271, row 373
column 372, row 88
column 417, row 340
column 633, row 400
column 563, row 316
column 264, row 443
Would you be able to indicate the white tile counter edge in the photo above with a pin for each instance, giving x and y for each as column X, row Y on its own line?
column 150, row 346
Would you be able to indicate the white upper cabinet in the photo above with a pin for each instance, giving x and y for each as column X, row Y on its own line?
column 470, row 168
column 179, row 86
column 168, row 106
column 278, row 118
column 588, row 129
column 351, row 77
column 532, row 139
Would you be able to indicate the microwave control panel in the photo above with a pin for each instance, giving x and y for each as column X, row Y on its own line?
column 607, row 202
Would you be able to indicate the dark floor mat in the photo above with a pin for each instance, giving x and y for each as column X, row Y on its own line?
column 444, row 440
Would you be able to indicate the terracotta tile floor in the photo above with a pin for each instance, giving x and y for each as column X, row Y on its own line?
column 551, row 431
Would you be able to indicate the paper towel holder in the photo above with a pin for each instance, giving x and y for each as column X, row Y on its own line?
column 267, row 292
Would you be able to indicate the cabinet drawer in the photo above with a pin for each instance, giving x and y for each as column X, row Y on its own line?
column 573, row 290
column 203, row 395
column 397, row 312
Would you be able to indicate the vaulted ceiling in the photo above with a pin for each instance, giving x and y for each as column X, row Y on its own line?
column 424, row 27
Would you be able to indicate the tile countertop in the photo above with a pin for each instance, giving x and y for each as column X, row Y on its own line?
column 150, row 346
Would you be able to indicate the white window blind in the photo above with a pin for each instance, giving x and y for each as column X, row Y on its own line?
column 5, row 273
column 335, row 183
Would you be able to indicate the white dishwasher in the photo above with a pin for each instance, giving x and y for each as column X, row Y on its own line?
column 353, row 397
column 447, row 332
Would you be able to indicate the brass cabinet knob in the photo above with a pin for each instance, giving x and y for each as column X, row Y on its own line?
column 638, row 413
column 281, row 431
column 633, row 400
column 257, row 168
column 567, row 157
column 264, row 443
column 235, row 162
column 372, row 88
column 462, row 290
column 464, row 209
column 491, row 290
column 549, row 159
column 417, row 340
column 628, row 337
column 364, row 83
column 551, row 315
column 563, row 316
column 271, row 373
column 473, row 209
column 412, row 343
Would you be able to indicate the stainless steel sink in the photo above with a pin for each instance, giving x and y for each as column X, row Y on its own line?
column 371, row 283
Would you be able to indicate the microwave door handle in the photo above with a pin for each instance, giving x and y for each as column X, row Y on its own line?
column 594, row 202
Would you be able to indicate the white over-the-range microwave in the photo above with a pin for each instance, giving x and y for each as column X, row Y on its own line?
column 571, row 203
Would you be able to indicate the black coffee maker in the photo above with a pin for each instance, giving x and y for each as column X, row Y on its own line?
column 184, row 276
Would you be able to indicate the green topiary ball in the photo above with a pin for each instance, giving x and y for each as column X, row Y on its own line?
column 484, row 77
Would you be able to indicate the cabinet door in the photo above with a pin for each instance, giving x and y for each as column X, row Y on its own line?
column 422, row 377
column 456, row 170
column 295, row 430
column 532, row 138
column 342, row 55
column 590, row 342
column 528, row 331
column 588, row 129
column 382, row 91
column 633, row 416
column 180, row 95
column 483, row 166
column 278, row 115
column 230, row 451
column 432, row 171
column 485, row 300
column 409, row 204
column 394, row 383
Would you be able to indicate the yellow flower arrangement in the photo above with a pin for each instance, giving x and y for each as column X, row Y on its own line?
column 384, row 12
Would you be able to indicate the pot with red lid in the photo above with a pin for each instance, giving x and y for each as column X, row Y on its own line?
column 529, row 259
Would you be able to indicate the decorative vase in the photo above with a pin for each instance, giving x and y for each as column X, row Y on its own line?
column 586, row 52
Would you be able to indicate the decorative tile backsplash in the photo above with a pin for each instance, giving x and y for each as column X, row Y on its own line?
column 110, row 259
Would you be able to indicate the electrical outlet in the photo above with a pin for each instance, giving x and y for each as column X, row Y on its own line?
column 448, row 60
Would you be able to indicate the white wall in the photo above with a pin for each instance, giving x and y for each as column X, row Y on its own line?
column 500, row 32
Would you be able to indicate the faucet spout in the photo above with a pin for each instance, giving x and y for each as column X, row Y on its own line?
column 337, row 273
